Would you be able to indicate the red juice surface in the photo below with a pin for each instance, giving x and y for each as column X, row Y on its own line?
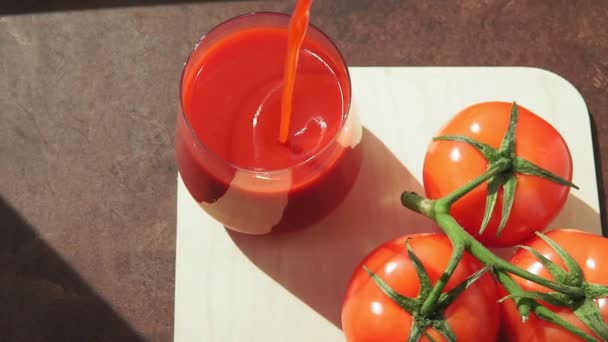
column 234, row 103
column 227, row 145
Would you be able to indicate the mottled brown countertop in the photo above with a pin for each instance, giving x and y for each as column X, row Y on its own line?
column 88, row 98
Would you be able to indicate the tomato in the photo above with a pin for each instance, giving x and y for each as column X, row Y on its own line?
column 591, row 253
column 368, row 315
column 448, row 165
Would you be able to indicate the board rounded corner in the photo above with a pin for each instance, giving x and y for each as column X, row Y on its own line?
column 556, row 77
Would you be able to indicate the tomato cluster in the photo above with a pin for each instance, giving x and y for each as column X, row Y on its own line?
column 368, row 314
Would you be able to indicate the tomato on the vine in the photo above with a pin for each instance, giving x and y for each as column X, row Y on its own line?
column 368, row 315
column 450, row 164
column 591, row 254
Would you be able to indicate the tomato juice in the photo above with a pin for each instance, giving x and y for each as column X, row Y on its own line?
column 227, row 144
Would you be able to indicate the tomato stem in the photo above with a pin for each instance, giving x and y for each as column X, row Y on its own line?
column 417, row 203
column 498, row 167
column 432, row 299
column 486, row 257
column 430, row 208
column 439, row 210
column 447, row 298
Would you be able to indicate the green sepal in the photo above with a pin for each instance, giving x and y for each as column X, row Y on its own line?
column 442, row 326
column 508, row 198
column 575, row 275
column 528, row 168
column 508, row 182
column 487, row 151
column 423, row 277
column 555, row 270
column 428, row 336
column 494, row 185
column 589, row 313
column 416, row 333
column 509, row 179
column 507, row 146
column 408, row 304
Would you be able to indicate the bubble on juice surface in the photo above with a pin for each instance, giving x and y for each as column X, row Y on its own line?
column 309, row 137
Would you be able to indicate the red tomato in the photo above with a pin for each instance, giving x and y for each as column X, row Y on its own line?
column 448, row 165
column 368, row 315
column 591, row 253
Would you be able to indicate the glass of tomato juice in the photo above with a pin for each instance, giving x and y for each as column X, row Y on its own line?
column 227, row 140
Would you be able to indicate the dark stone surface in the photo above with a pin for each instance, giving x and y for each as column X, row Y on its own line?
column 88, row 96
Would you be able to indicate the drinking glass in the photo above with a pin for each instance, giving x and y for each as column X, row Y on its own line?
column 264, row 200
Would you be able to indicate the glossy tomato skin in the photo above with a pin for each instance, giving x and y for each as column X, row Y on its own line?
column 591, row 253
column 448, row 165
column 370, row 316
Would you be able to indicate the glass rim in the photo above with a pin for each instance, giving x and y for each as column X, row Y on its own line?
column 330, row 143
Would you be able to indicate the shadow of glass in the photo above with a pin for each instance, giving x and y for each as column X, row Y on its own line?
column 42, row 298
column 316, row 264
column 12, row 7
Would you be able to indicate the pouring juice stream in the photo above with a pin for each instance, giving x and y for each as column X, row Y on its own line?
column 298, row 25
